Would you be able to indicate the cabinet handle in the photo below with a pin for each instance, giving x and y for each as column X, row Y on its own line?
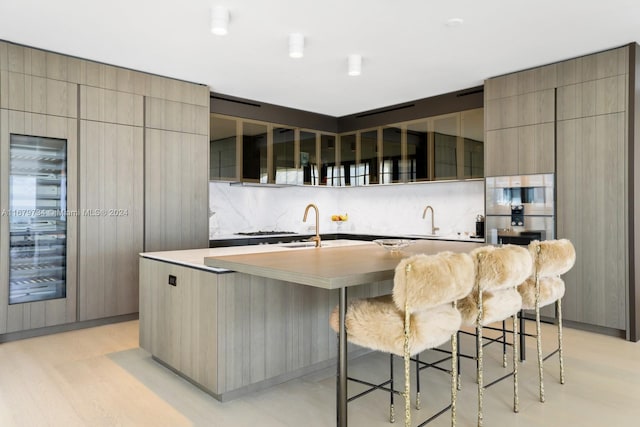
column 173, row 280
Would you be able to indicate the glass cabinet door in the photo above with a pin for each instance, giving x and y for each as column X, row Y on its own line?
column 368, row 165
column 284, row 164
column 254, row 152
column 445, row 142
column 37, row 220
column 348, row 160
column 418, row 151
column 222, row 148
column 329, row 173
column 472, row 124
column 390, row 170
column 309, row 158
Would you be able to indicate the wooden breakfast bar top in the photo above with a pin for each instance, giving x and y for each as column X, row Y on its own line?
column 331, row 267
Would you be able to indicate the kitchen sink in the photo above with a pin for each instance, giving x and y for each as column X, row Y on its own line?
column 300, row 245
column 323, row 244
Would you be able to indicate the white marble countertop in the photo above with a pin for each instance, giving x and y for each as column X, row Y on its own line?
column 453, row 237
column 195, row 257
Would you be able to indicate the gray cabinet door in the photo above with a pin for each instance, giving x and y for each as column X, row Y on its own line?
column 501, row 152
column 176, row 190
column 592, row 213
column 111, row 220
column 519, row 118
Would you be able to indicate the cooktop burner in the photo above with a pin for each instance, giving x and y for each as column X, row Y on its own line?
column 264, row 233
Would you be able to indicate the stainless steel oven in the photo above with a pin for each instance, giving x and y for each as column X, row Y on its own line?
column 520, row 208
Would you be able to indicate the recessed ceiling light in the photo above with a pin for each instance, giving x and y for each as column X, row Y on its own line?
column 355, row 65
column 296, row 45
column 455, row 22
column 219, row 20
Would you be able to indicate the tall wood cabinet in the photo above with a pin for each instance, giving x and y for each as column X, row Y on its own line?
column 176, row 167
column 592, row 185
column 34, row 102
column 519, row 122
column 576, row 122
column 137, row 174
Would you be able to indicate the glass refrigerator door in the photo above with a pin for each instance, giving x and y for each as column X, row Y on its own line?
column 37, row 220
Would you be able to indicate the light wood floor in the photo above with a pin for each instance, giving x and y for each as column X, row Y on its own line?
column 100, row 377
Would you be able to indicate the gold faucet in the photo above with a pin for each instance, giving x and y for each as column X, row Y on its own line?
column 315, row 238
column 424, row 215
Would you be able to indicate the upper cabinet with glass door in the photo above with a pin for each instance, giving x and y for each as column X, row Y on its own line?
column 445, row 147
column 223, row 148
column 265, row 153
column 472, row 129
column 285, row 170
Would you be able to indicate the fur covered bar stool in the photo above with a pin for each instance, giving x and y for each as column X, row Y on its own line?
column 495, row 298
column 420, row 314
column 551, row 258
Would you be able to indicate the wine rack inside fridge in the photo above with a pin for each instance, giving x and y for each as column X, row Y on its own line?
column 37, row 219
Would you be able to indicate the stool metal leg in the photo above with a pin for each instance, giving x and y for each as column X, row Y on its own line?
column 559, row 309
column 407, row 360
column 454, row 376
column 458, row 379
column 479, row 360
column 418, row 381
column 516, row 398
column 539, row 340
column 504, row 343
column 392, row 414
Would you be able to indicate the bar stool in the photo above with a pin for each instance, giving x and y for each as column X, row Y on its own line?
column 551, row 258
column 420, row 314
column 495, row 298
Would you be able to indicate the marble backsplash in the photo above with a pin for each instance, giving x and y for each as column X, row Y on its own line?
column 379, row 209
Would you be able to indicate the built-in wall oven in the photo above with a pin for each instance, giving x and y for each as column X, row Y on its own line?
column 520, row 208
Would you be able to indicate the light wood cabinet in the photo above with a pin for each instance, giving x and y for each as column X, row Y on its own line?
column 177, row 116
column 536, row 148
column 23, row 92
column 520, row 150
column 110, row 106
column 112, row 195
column 519, row 117
column 204, row 326
column 178, row 324
column 600, row 65
column 592, row 213
column 501, row 152
column 101, row 109
column 111, row 226
column 176, row 166
column 592, row 185
column 594, row 97
column 587, row 136
column 176, row 190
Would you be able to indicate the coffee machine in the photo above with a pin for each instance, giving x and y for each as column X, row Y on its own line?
column 479, row 226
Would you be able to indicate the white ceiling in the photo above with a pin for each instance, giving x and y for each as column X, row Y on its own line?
column 408, row 50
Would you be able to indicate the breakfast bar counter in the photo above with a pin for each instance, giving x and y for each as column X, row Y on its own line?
column 246, row 321
column 334, row 268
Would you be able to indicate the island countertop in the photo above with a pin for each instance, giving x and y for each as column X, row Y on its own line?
column 195, row 257
column 331, row 267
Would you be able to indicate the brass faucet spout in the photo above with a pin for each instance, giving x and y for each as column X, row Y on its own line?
column 315, row 238
column 424, row 215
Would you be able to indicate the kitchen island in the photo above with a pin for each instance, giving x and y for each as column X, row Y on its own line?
column 259, row 318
